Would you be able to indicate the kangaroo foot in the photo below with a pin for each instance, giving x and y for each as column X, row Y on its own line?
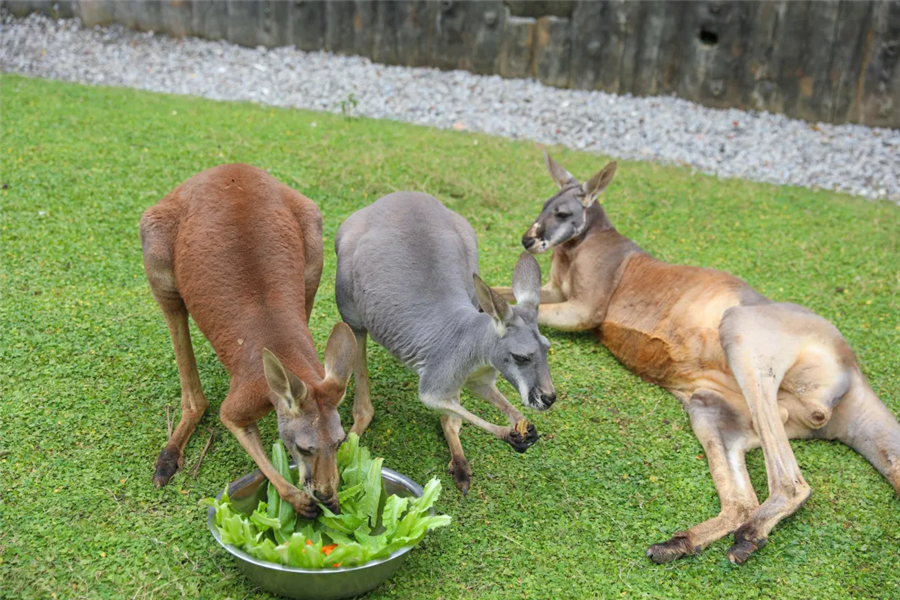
column 462, row 473
column 167, row 465
column 744, row 546
column 680, row 545
column 522, row 436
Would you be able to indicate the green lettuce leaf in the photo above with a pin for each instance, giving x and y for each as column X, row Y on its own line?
column 261, row 519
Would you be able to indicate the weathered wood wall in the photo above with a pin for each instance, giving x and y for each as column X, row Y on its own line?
column 833, row 60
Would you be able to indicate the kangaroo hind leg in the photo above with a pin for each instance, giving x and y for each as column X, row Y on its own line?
column 156, row 234
column 459, row 466
column 363, row 411
column 725, row 436
column 762, row 343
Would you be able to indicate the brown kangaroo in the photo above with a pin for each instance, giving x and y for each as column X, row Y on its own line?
column 242, row 253
column 749, row 372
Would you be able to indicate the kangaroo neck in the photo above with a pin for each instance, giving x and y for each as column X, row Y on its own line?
column 479, row 333
column 603, row 264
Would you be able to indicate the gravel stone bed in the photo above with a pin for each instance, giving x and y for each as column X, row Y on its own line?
column 859, row 160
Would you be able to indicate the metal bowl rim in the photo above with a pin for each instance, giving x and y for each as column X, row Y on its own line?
column 386, row 473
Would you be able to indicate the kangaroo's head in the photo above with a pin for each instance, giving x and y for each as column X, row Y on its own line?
column 520, row 351
column 308, row 419
column 565, row 214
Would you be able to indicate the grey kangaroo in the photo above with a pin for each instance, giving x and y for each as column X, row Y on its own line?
column 407, row 274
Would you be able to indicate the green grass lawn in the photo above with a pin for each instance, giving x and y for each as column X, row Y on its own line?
column 88, row 370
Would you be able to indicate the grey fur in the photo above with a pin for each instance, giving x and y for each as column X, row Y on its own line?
column 405, row 275
column 567, row 213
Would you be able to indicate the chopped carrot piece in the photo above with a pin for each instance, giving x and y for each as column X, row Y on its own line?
column 336, row 565
column 309, row 542
column 329, row 549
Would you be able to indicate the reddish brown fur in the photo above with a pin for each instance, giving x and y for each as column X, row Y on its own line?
column 749, row 371
column 242, row 253
column 663, row 321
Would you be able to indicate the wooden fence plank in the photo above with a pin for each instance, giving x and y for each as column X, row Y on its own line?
column 591, row 30
column 612, row 52
column 177, row 17
column 645, row 62
column 23, row 8
column 416, row 21
column 448, row 50
column 792, row 50
column 243, row 22
column 516, row 53
column 759, row 76
column 384, row 33
column 209, row 19
column 308, row 25
column 720, row 35
column 339, row 36
column 552, row 51
column 97, row 12
column 485, row 23
column 814, row 89
column 274, row 23
column 878, row 95
column 853, row 38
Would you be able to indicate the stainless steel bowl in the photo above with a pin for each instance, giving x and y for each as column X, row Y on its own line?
column 311, row 584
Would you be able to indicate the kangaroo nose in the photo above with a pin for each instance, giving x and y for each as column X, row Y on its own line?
column 548, row 399
column 324, row 498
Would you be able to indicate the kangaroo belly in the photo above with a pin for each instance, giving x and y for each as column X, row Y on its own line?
column 673, row 359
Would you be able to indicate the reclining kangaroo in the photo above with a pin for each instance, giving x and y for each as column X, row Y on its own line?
column 407, row 273
column 749, row 372
column 243, row 254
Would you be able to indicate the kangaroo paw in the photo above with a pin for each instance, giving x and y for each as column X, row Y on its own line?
column 167, row 465
column 680, row 545
column 522, row 437
column 462, row 473
column 744, row 546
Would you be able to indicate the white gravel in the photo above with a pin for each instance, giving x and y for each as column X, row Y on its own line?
column 732, row 143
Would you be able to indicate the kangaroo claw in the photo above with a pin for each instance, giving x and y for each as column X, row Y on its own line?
column 522, row 436
column 167, row 465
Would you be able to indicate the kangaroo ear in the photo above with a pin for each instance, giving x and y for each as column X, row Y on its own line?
column 340, row 354
column 560, row 176
column 597, row 184
column 287, row 386
column 526, row 282
column 492, row 303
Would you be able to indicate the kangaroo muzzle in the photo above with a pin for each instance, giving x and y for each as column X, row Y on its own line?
column 532, row 239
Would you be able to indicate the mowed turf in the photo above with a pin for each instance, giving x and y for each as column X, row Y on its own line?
column 88, row 370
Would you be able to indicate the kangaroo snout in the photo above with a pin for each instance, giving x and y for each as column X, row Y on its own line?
column 531, row 240
column 548, row 399
column 540, row 399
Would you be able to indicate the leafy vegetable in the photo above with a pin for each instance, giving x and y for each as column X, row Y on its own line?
column 372, row 524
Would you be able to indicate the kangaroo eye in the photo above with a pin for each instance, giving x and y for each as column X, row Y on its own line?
column 304, row 451
column 521, row 360
column 562, row 214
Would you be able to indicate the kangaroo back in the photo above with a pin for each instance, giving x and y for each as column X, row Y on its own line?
column 414, row 258
column 240, row 257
